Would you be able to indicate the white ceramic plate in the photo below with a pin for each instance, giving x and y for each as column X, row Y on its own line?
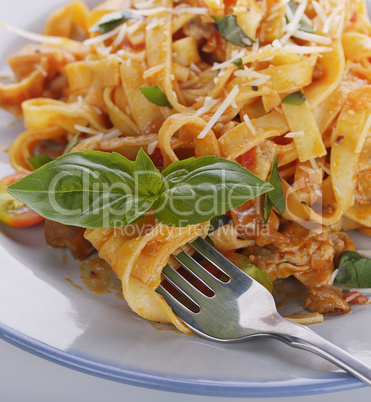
column 44, row 314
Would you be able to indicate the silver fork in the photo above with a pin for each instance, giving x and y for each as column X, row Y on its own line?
column 242, row 308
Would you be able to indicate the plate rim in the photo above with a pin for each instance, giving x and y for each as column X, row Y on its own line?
column 302, row 387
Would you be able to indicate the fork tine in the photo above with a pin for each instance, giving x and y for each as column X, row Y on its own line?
column 183, row 286
column 198, row 271
column 178, row 308
column 217, row 259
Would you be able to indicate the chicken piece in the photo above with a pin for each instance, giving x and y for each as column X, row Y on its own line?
column 297, row 251
column 326, row 300
column 72, row 237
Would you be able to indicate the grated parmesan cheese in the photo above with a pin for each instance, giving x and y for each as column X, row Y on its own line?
column 294, row 24
column 209, row 103
column 277, row 44
column 352, row 296
column 177, row 10
column 307, row 169
column 151, row 147
column 255, row 47
column 333, row 276
column 273, row 16
column 306, row 49
column 256, row 83
column 121, row 35
column 222, row 108
column 41, row 69
column 153, row 70
column 140, row 5
column 278, row 6
column 319, row 11
column 112, row 134
column 323, row 40
column 86, row 130
column 314, row 163
column 248, row 123
column 294, row 134
column 195, row 68
column 220, row 66
column 326, row 170
column 103, row 37
column 97, row 137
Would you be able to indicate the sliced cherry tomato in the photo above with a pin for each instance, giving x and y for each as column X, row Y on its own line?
column 355, row 298
column 248, row 159
column 12, row 211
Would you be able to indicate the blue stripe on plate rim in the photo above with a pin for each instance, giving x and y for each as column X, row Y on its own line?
column 299, row 387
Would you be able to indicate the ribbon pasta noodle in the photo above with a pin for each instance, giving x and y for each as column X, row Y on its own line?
column 295, row 83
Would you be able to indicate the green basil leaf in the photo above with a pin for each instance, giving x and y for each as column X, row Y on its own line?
column 93, row 189
column 112, row 20
column 148, row 178
column 218, row 222
column 267, row 208
column 156, row 95
column 197, row 189
column 231, row 31
column 90, row 189
column 238, row 63
column 72, row 143
column 39, row 160
column 354, row 270
column 296, row 98
column 275, row 197
column 303, row 26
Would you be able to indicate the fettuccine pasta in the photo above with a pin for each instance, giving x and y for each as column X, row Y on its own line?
column 296, row 82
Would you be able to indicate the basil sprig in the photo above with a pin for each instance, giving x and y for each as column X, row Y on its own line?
column 156, row 95
column 238, row 63
column 94, row 189
column 275, row 197
column 354, row 270
column 231, row 31
column 112, row 20
column 296, row 98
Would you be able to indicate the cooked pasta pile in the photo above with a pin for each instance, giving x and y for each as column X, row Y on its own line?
column 245, row 80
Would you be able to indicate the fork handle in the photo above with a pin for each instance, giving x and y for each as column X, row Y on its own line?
column 308, row 340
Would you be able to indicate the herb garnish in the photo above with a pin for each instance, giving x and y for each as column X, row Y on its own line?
column 354, row 270
column 94, row 189
column 218, row 222
column 156, row 95
column 231, row 31
column 275, row 197
column 39, row 160
column 238, row 63
column 296, row 98
column 113, row 20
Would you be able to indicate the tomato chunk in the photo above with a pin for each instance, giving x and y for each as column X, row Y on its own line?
column 13, row 212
